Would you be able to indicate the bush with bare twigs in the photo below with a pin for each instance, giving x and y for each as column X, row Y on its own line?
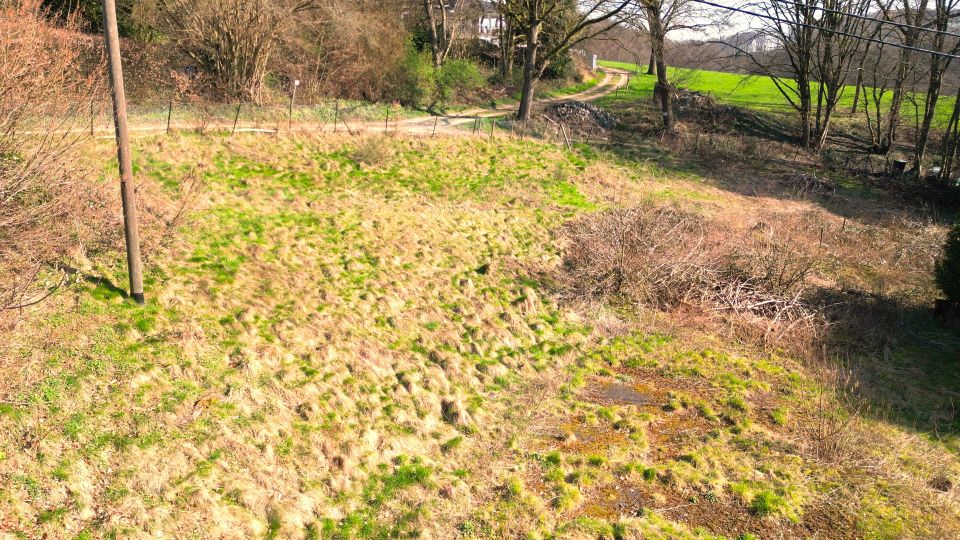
column 46, row 207
column 667, row 258
column 759, row 280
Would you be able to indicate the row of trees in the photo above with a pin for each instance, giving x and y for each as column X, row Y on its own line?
column 243, row 45
column 897, row 51
column 892, row 54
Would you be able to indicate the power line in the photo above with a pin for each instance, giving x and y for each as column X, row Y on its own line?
column 822, row 29
column 871, row 19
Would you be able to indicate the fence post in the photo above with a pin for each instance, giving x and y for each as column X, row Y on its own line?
column 236, row 117
column 386, row 121
column 169, row 113
column 492, row 123
column 436, row 119
column 476, row 123
column 293, row 96
column 336, row 114
column 565, row 138
column 91, row 117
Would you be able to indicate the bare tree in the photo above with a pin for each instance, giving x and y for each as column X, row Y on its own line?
column 791, row 25
column 816, row 45
column 507, row 35
column 658, row 18
column 580, row 20
column 232, row 40
column 945, row 11
column 879, row 72
column 837, row 46
column 442, row 32
column 909, row 34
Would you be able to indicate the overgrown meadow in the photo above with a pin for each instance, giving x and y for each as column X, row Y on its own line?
column 366, row 338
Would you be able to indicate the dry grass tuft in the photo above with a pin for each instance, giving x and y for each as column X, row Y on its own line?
column 373, row 152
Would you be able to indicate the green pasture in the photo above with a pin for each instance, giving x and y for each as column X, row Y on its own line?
column 760, row 92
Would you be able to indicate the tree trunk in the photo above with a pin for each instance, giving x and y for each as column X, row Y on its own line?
column 803, row 87
column 435, row 46
column 531, row 74
column 893, row 119
column 930, row 109
column 856, row 92
column 949, row 150
column 823, row 129
column 663, row 85
column 506, row 48
column 657, row 42
column 650, row 67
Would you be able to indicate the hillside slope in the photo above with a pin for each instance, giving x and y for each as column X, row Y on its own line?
column 365, row 338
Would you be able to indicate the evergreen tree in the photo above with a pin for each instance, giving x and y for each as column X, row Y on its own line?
column 948, row 268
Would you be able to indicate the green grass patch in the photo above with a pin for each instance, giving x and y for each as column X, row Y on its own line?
column 752, row 91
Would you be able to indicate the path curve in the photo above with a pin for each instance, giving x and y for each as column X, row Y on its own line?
column 613, row 79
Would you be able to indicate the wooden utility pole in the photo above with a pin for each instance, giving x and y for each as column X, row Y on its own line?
column 127, row 191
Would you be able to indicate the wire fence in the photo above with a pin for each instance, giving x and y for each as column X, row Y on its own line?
column 177, row 115
column 171, row 116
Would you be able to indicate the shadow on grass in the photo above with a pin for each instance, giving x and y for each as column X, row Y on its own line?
column 755, row 154
column 103, row 288
column 903, row 364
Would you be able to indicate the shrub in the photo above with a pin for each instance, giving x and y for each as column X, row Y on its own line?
column 231, row 40
column 414, row 78
column 948, row 267
column 419, row 84
column 362, row 67
column 372, row 152
column 46, row 207
column 666, row 258
column 669, row 259
column 455, row 78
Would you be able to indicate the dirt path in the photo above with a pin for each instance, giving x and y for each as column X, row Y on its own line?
column 613, row 79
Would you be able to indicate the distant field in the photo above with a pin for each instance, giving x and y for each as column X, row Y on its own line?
column 755, row 92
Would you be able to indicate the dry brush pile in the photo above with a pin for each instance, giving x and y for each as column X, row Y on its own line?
column 761, row 280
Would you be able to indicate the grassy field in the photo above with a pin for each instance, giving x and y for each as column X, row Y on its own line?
column 360, row 338
column 757, row 92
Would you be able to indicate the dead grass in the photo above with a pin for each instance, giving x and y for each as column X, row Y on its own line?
column 343, row 349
